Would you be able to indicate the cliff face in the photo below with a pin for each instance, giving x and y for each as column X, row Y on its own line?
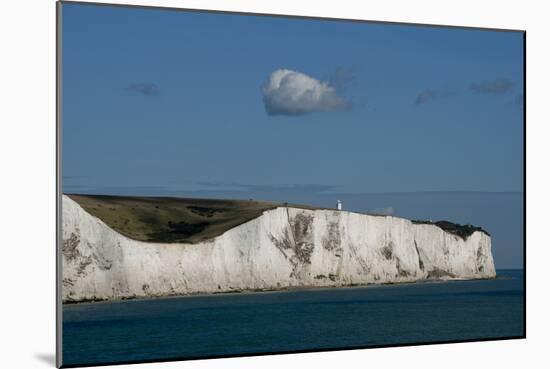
column 284, row 247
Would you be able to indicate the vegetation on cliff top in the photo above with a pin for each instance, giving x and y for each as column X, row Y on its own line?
column 190, row 220
column 170, row 219
column 462, row 231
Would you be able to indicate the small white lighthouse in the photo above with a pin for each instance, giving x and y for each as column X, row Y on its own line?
column 338, row 204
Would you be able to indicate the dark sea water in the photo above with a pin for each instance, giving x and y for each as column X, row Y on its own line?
column 237, row 324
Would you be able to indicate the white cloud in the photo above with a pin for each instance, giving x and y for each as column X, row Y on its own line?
column 288, row 92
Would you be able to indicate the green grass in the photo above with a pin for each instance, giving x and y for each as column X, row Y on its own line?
column 462, row 230
column 190, row 220
column 168, row 219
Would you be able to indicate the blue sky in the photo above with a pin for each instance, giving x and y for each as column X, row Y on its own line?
column 170, row 102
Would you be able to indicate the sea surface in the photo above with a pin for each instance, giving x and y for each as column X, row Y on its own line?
column 253, row 323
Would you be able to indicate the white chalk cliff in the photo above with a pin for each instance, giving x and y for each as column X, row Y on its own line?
column 283, row 248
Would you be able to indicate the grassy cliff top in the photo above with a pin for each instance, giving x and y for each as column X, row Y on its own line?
column 191, row 220
column 170, row 219
column 462, row 231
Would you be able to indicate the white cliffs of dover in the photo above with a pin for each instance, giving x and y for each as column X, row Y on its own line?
column 283, row 248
